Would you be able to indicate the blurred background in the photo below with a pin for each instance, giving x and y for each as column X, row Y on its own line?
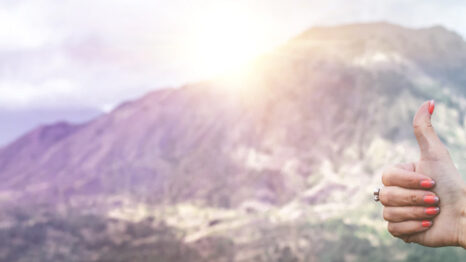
column 218, row 130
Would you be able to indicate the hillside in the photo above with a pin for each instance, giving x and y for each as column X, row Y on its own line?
column 258, row 165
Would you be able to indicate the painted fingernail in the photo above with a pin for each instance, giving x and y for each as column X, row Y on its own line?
column 427, row 183
column 426, row 223
column 430, row 199
column 431, row 106
column 432, row 210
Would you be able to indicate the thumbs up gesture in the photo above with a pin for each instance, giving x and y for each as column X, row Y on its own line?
column 425, row 201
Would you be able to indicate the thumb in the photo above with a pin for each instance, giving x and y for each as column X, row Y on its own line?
column 429, row 143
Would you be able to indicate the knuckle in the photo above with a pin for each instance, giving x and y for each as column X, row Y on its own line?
column 417, row 128
column 421, row 126
column 412, row 181
column 407, row 239
column 392, row 229
column 413, row 198
column 387, row 214
column 383, row 196
column 386, row 176
column 391, row 214
column 427, row 123
column 412, row 213
column 384, row 179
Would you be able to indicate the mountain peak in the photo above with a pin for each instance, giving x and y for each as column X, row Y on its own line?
column 375, row 28
column 219, row 138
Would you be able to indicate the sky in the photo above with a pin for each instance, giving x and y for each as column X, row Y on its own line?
column 72, row 59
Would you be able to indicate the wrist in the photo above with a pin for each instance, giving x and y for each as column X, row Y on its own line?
column 462, row 222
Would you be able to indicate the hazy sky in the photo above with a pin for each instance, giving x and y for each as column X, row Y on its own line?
column 57, row 54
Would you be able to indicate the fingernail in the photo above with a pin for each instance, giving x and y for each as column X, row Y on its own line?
column 430, row 199
column 432, row 210
column 431, row 106
column 427, row 183
column 426, row 223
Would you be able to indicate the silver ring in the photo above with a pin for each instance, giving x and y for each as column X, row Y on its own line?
column 376, row 194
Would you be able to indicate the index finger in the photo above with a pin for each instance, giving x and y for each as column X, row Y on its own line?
column 394, row 176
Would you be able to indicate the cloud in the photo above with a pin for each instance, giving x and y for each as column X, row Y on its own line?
column 20, row 94
column 55, row 53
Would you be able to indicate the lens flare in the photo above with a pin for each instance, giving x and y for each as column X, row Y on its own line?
column 225, row 39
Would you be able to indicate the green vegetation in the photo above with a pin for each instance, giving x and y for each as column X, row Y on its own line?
column 43, row 235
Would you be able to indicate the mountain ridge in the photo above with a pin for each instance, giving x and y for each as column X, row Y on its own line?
column 273, row 163
column 150, row 145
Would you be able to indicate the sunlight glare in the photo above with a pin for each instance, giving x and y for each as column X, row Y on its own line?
column 225, row 39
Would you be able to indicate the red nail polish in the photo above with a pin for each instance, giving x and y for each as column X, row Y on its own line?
column 430, row 199
column 431, row 106
column 427, row 183
column 426, row 223
column 432, row 210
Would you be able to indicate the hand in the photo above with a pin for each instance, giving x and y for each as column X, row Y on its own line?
column 405, row 202
column 409, row 207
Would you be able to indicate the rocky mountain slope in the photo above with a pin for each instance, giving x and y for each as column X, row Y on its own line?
column 298, row 137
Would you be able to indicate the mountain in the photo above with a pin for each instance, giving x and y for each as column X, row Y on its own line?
column 263, row 164
column 16, row 122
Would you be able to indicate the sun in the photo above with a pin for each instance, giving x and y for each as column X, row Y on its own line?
column 225, row 39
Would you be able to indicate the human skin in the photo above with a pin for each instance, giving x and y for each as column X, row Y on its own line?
column 434, row 175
